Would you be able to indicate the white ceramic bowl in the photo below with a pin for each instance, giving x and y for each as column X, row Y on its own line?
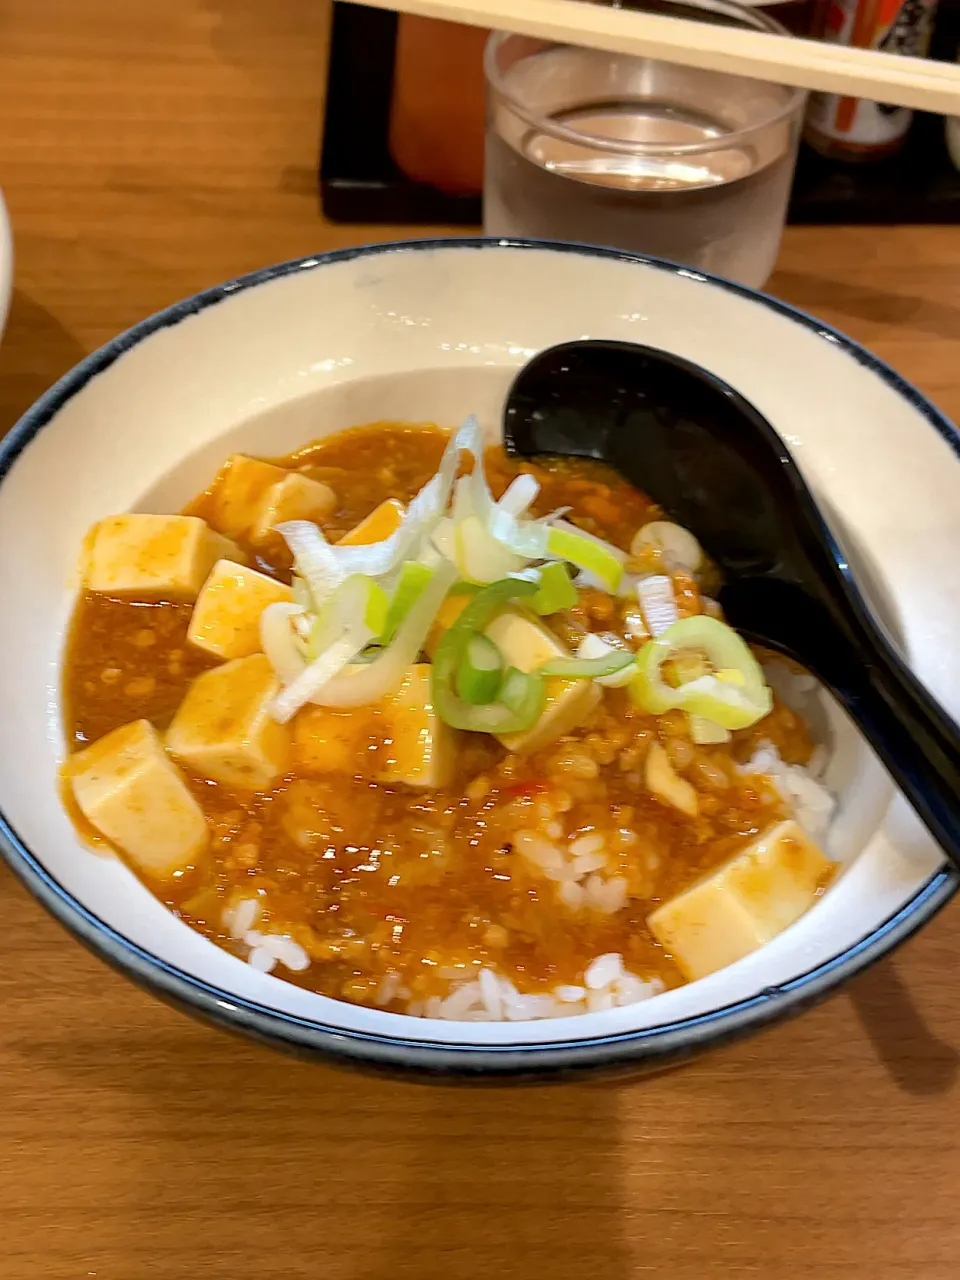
column 432, row 331
column 6, row 263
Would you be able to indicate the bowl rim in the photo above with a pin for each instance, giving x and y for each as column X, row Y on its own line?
column 648, row 1047
column 7, row 263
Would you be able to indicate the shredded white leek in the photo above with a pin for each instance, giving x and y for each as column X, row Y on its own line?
column 310, row 681
column 657, row 603
column 519, row 496
column 478, row 554
column 523, row 537
column 325, row 566
column 301, row 593
column 313, row 557
column 357, row 603
column 281, row 642
column 453, row 528
column 462, row 506
column 361, row 686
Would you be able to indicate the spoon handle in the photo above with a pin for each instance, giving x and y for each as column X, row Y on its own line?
column 835, row 636
column 910, row 731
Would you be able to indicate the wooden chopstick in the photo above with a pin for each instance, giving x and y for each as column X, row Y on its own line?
column 806, row 64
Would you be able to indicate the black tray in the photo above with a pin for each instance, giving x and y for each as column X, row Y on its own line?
column 359, row 181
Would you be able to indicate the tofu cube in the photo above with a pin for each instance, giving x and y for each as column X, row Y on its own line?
column 226, row 618
column 237, row 496
column 400, row 741
column 129, row 789
column 154, row 557
column 327, row 740
column 378, row 525
column 525, row 644
column 744, row 903
column 249, row 497
column 223, row 729
column 415, row 747
column 295, row 497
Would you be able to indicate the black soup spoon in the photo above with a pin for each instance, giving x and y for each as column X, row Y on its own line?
column 716, row 466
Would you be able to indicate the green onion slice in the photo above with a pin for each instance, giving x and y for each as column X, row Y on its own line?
column 556, row 590
column 734, row 695
column 480, row 671
column 414, row 577
column 518, row 687
column 357, row 602
column 524, row 700
column 586, row 553
column 587, row 668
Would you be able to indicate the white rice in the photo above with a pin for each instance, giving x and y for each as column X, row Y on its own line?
column 630, row 989
column 491, row 994
column 572, row 895
column 600, row 1001
column 587, row 862
column 810, row 802
column 261, row 960
column 569, row 994
column 389, row 988
column 241, row 917
column 266, row 949
column 492, row 998
column 283, row 948
column 603, row 971
column 580, row 869
column 541, row 853
column 587, row 846
column 577, row 869
column 608, row 896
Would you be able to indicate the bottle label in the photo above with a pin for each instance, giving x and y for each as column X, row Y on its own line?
column 892, row 26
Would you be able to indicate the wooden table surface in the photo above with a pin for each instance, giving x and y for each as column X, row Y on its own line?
column 150, row 150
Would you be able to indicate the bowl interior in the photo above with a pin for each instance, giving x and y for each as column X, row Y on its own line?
column 431, row 334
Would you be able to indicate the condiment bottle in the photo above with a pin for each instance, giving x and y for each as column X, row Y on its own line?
column 437, row 112
column 856, row 128
column 436, row 116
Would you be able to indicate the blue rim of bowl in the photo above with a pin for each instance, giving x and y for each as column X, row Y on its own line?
column 649, row 1047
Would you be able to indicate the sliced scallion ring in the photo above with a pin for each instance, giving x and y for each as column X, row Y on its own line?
column 518, row 688
column 705, row 732
column 587, row 668
column 357, row 602
column 556, row 590
column 594, row 646
column 480, row 671
column 527, row 695
column 679, row 547
column 414, row 577
column 734, row 695
column 586, row 553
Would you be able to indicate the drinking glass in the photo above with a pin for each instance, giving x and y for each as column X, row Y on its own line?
column 693, row 166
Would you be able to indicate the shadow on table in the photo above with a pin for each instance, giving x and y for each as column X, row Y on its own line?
column 860, row 302
column 35, row 351
column 916, row 1059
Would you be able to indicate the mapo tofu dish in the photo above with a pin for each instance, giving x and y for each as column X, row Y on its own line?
column 420, row 726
